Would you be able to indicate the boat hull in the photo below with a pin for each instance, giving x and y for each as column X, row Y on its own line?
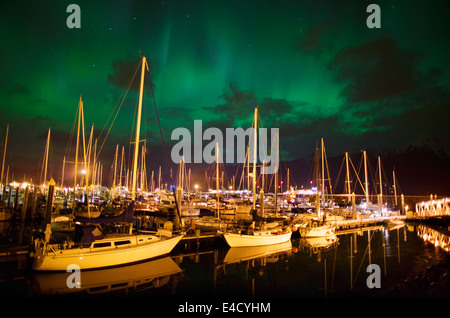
column 237, row 240
column 88, row 258
column 320, row 231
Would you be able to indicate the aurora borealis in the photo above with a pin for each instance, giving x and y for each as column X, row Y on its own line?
column 313, row 67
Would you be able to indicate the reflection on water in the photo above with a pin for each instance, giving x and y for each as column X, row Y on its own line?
column 434, row 237
column 321, row 267
column 136, row 278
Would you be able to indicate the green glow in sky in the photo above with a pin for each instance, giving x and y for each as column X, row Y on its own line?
column 313, row 67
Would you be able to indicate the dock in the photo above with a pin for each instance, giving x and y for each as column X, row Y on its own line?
column 342, row 225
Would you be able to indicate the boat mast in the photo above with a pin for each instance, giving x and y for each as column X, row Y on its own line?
column 395, row 188
column 254, row 158
column 115, row 174
column 4, row 156
column 122, row 159
column 86, row 166
column 47, row 145
column 366, row 177
column 348, row 178
column 288, row 187
column 276, row 191
column 138, row 129
column 80, row 107
column 381, row 183
column 323, row 173
column 217, row 177
column 317, row 179
column 62, row 175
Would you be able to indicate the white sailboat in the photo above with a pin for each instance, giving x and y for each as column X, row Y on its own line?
column 313, row 226
column 315, row 230
column 106, row 250
column 258, row 238
column 263, row 236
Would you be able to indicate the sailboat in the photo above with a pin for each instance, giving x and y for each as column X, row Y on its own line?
column 266, row 235
column 315, row 227
column 100, row 250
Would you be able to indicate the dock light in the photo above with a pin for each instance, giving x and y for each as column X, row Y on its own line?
column 196, row 186
column 83, row 171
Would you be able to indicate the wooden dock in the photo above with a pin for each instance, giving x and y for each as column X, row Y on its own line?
column 364, row 222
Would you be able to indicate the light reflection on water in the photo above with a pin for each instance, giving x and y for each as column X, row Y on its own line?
column 320, row 268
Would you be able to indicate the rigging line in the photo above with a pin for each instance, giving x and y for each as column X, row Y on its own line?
column 163, row 145
column 72, row 131
column 115, row 116
column 328, row 173
column 339, row 175
column 356, row 173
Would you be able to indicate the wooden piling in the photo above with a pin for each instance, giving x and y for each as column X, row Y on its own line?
column 48, row 210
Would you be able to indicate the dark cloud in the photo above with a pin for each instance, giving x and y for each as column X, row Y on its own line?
column 375, row 70
column 295, row 122
column 237, row 103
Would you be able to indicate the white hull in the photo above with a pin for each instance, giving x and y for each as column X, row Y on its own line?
column 189, row 211
column 240, row 254
column 237, row 240
column 142, row 247
column 319, row 231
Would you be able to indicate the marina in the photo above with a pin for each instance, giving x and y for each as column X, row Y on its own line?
column 311, row 268
column 131, row 238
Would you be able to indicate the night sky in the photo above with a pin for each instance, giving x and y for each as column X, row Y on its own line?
column 314, row 68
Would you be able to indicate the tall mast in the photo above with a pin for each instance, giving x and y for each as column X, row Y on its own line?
column 115, row 174
column 254, row 157
column 138, row 129
column 159, row 179
column 395, row 188
column 288, row 187
column 217, row 177
column 80, row 107
column 62, row 176
column 316, row 177
column 122, row 159
column 323, row 174
column 381, row 183
column 86, row 153
column 4, row 154
column 366, row 177
column 47, row 145
column 276, row 191
column 348, row 178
